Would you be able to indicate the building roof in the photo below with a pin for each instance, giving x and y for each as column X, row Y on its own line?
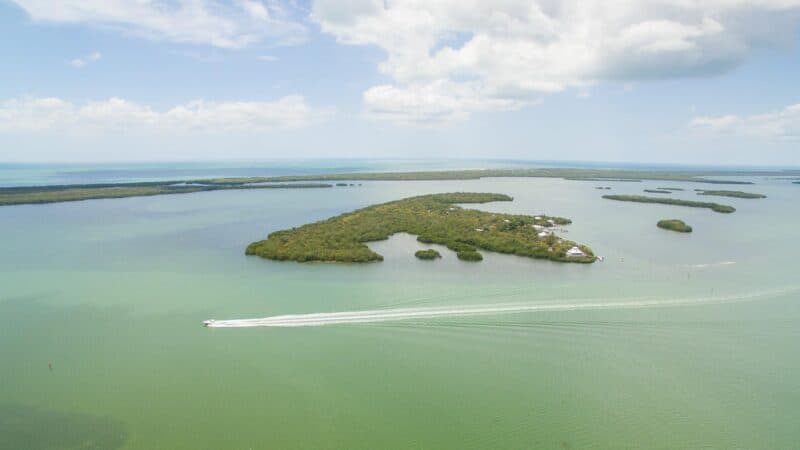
column 575, row 251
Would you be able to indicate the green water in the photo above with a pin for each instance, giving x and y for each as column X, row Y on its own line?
column 112, row 293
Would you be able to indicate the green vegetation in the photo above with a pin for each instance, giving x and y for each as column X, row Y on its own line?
column 657, row 191
column 473, row 174
column 670, row 189
column 435, row 219
column 734, row 194
column 674, row 225
column 470, row 255
column 70, row 193
column 716, row 207
column 50, row 194
column 427, row 254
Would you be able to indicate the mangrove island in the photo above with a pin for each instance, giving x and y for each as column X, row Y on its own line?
column 674, row 225
column 26, row 195
column 734, row 194
column 435, row 219
column 427, row 254
column 716, row 207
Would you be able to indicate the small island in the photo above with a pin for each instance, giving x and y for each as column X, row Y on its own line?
column 427, row 254
column 716, row 207
column 435, row 219
column 657, row 191
column 674, row 225
column 670, row 189
column 734, row 194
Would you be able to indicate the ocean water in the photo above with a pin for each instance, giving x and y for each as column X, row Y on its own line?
column 101, row 343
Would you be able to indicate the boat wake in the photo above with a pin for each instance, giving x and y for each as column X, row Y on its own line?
column 395, row 314
column 718, row 264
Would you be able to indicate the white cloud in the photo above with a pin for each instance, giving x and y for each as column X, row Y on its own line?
column 231, row 24
column 783, row 124
column 80, row 63
column 115, row 115
column 475, row 55
column 431, row 103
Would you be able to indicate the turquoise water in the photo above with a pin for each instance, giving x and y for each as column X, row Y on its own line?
column 112, row 294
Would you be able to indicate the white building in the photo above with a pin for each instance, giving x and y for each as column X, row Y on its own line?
column 575, row 251
column 544, row 234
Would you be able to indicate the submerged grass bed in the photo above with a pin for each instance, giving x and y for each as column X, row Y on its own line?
column 674, row 225
column 435, row 219
column 716, row 207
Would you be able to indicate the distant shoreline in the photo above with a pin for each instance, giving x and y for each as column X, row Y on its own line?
column 75, row 192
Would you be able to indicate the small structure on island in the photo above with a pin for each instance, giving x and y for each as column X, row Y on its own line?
column 575, row 252
column 545, row 233
column 538, row 227
column 479, row 230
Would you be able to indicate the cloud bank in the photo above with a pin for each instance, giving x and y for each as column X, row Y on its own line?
column 447, row 59
column 34, row 115
column 234, row 24
column 783, row 124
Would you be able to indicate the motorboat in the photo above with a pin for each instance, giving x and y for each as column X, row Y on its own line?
column 208, row 323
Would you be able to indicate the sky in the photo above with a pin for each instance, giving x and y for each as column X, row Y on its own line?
column 673, row 81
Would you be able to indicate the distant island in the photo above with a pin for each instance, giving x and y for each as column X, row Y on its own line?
column 674, row 225
column 602, row 175
column 66, row 193
column 658, row 191
column 716, row 207
column 734, row 194
column 671, row 189
column 427, row 254
column 70, row 193
column 435, row 219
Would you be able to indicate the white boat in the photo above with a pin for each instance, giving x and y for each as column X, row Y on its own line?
column 208, row 323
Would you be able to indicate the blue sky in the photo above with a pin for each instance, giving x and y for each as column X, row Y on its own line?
column 655, row 81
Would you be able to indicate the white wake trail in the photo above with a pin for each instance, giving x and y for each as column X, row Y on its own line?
column 385, row 315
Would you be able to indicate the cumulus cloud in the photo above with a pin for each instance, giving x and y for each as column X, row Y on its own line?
column 80, row 63
column 225, row 24
column 474, row 55
column 29, row 115
column 783, row 124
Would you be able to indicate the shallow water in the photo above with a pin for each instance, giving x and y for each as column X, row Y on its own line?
column 112, row 293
